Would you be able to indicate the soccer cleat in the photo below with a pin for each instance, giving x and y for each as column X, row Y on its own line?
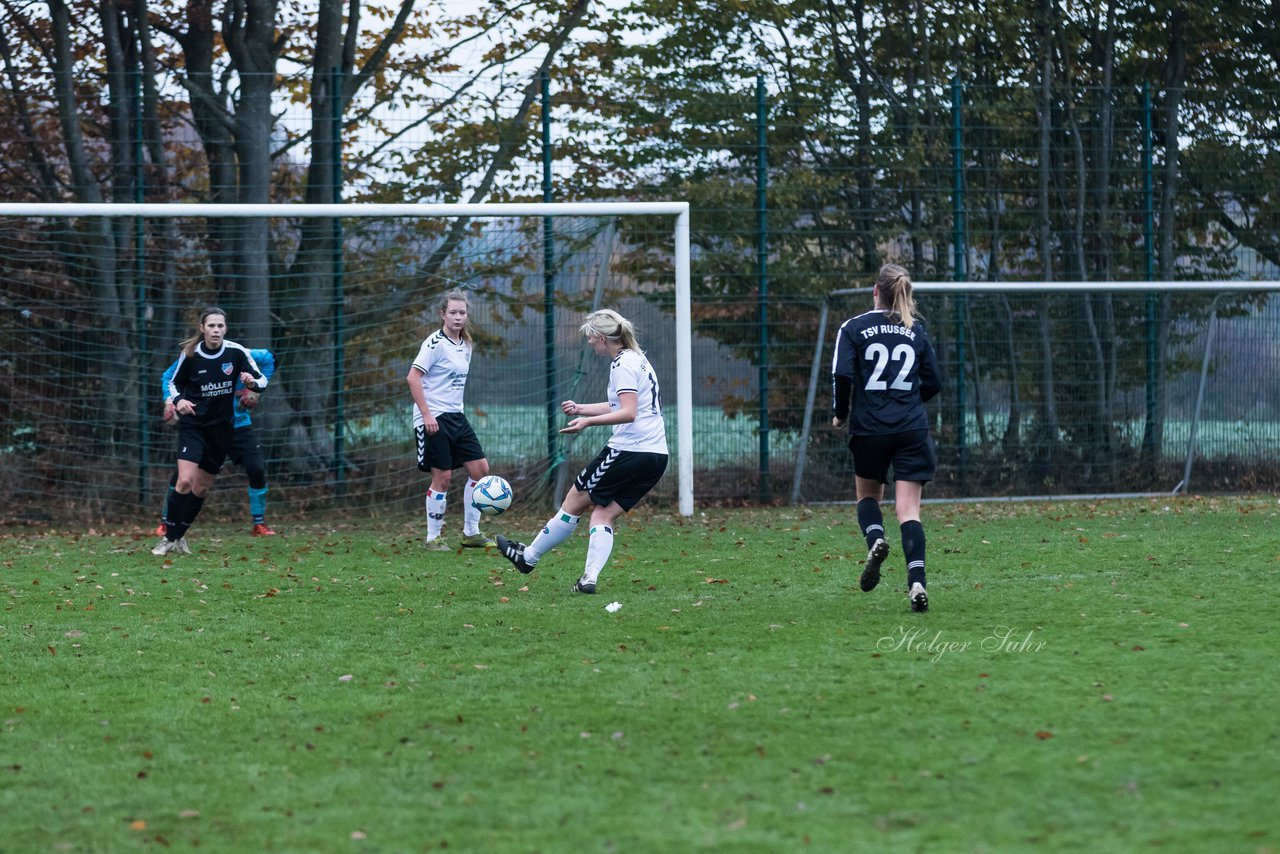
column 165, row 546
column 181, row 546
column 436, row 545
column 514, row 552
column 875, row 557
column 919, row 599
column 161, row 529
column 260, row 529
column 584, row 586
column 477, row 541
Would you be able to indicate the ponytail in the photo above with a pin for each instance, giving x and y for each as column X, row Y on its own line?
column 894, row 283
column 607, row 323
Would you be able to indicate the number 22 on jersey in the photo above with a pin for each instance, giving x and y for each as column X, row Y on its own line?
column 902, row 354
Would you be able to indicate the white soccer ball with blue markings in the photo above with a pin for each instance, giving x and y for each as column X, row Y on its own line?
column 492, row 495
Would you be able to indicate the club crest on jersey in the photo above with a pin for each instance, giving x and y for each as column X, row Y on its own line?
column 227, row 368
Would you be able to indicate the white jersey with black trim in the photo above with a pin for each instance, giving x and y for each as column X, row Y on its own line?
column 444, row 364
column 631, row 371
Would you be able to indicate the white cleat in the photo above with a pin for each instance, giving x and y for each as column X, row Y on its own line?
column 919, row 599
column 165, row 546
column 182, row 547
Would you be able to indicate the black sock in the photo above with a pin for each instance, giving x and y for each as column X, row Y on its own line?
column 913, row 550
column 193, row 509
column 870, row 520
column 183, row 509
column 179, row 511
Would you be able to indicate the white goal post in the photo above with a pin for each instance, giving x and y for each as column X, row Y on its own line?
column 678, row 210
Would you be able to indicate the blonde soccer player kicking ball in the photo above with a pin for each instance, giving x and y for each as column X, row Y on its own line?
column 629, row 465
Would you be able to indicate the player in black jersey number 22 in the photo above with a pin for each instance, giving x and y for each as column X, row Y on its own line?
column 883, row 371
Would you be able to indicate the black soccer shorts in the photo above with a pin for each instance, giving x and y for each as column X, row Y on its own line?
column 912, row 455
column 452, row 446
column 621, row 476
column 206, row 446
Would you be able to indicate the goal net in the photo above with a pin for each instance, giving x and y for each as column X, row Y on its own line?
column 1056, row 389
column 96, row 300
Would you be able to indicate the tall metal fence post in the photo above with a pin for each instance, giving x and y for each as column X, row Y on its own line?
column 802, row 453
column 1148, row 208
column 140, row 283
column 549, row 285
column 960, row 273
column 762, row 274
column 339, row 287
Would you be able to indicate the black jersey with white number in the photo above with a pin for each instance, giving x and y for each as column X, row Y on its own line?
column 890, row 370
column 209, row 381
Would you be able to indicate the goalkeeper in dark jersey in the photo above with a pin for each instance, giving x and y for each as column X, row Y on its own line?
column 883, row 371
column 202, row 392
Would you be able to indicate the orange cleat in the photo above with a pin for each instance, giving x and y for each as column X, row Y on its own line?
column 261, row 530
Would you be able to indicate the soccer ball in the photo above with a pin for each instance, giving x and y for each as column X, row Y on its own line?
column 492, row 495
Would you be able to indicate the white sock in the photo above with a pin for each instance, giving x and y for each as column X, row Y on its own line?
column 435, row 513
column 598, row 549
column 555, row 532
column 470, row 514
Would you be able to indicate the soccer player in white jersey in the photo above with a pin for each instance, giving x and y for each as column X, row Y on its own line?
column 628, row 466
column 883, row 371
column 444, row 436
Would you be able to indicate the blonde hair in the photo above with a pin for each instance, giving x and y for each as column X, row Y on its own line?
column 894, row 283
column 607, row 323
column 458, row 295
column 189, row 344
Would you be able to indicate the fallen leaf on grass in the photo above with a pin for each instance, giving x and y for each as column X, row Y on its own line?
column 1043, row 734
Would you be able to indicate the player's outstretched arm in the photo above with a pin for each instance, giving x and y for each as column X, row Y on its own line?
column 576, row 410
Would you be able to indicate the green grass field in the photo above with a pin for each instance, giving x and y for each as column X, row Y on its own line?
column 1092, row 676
